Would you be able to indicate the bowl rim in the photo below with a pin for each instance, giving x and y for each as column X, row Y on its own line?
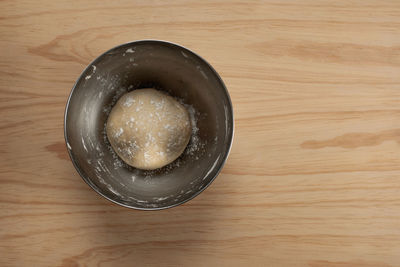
column 230, row 137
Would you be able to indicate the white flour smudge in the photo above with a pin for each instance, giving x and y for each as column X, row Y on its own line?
column 93, row 72
column 184, row 54
column 202, row 72
column 84, row 146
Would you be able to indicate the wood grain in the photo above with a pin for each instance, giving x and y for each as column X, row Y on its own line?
column 313, row 177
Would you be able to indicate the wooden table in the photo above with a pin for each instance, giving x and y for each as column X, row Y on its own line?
column 313, row 178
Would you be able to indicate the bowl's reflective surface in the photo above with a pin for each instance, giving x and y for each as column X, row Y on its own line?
column 167, row 67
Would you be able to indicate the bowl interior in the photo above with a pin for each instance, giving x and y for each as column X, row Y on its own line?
column 167, row 67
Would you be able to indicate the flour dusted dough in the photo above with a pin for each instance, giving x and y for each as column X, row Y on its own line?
column 148, row 129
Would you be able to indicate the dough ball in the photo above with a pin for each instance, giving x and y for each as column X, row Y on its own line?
column 148, row 129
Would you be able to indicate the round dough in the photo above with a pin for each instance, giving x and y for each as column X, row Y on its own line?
column 148, row 129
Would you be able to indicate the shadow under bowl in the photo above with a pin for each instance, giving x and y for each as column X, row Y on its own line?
column 174, row 70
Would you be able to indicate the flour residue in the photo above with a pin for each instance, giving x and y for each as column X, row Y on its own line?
column 93, row 72
column 202, row 72
column 184, row 54
column 84, row 145
column 196, row 145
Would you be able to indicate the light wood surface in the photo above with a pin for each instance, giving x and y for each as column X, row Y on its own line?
column 313, row 178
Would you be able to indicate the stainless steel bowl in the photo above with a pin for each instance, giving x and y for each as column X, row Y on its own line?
column 168, row 67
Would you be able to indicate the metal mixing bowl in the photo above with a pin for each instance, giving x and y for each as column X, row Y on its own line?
column 164, row 66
